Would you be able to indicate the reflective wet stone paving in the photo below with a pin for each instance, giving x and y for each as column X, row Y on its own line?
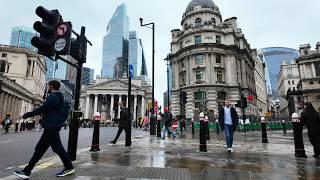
column 155, row 158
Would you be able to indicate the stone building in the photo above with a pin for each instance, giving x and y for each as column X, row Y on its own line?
column 288, row 80
column 211, row 61
column 22, row 80
column 309, row 69
column 114, row 91
column 261, row 84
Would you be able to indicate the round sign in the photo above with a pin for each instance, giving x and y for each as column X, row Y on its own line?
column 60, row 44
column 62, row 29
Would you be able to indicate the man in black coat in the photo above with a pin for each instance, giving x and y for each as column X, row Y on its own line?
column 123, row 122
column 52, row 121
column 228, row 121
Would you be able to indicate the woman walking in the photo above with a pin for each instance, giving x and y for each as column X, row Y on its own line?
column 310, row 117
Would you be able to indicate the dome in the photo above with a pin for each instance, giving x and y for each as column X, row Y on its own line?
column 203, row 3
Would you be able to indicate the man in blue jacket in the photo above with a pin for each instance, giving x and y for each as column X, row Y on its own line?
column 52, row 121
column 228, row 121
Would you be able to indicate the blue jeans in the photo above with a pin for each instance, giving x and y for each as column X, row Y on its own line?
column 167, row 129
column 228, row 130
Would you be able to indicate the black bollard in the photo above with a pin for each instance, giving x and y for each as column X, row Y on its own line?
column 203, row 143
column 264, row 130
column 192, row 125
column 244, row 126
column 181, row 130
column 206, row 125
column 297, row 133
column 16, row 127
column 23, row 126
column 96, row 133
column 217, row 127
column 158, row 128
column 284, row 127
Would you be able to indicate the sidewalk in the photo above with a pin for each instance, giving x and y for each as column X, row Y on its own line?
column 155, row 158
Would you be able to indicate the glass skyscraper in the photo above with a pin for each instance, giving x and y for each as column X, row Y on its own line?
column 114, row 42
column 136, row 55
column 87, row 76
column 273, row 57
column 21, row 37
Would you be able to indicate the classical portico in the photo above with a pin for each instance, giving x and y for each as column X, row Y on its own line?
column 113, row 92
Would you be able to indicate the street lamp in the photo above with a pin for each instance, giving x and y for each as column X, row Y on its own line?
column 168, row 90
column 152, row 119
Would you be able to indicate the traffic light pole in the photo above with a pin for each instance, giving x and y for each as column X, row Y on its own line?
column 74, row 123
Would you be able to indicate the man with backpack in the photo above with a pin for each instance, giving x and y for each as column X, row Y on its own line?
column 54, row 114
column 167, row 123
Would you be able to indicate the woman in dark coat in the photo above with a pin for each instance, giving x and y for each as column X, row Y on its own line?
column 311, row 118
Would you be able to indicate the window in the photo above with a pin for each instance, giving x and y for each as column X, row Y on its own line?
column 294, row 88
column 289, row 82
column 198, row 22
column 213, row 21
column 199, row 75
column 185, row 26
column 199, row 59
column 28, row 68
column 218, row 39
column 292, row 82
column 181, row 44
column 4, row 55
column 218, row 59
column 197, row 39
column 220, row 76
column 182, row 64
column 200, row 100
column 311, row 82
column 317, row 68
column 2, row 67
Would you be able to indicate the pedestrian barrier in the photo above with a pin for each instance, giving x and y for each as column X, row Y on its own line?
column 273, row 126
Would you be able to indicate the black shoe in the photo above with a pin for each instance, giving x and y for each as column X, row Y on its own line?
column 21, row 174
column 65, row 172
column 112, row 142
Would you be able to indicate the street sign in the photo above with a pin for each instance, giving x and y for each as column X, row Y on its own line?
column 131, row 71
column 60, row 44
column 62, row 29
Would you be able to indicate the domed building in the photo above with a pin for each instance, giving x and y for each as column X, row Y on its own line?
column 211, row 61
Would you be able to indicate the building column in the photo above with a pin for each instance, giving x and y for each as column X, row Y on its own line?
column 127, row 102
column 207, row 71
column 120, row 100
column 2, row 102
column 111, row 106
column 135, row 107
column 9, row 101
column 313, row 70
column 86, row 116
column 95, row 107
column 14, row 109
column 142, row 106
column 5, row 104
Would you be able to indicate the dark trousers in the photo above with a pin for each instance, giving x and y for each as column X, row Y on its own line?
column 314, row 138
column 119, row 132
column 229, row 134
column 50, row 137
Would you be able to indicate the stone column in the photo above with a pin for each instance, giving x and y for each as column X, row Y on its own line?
column 86, row 116
column 1, row 103
column 142, row 106
column 120, row 100
column 135, row 107
column 313, row 70
column 111, row 106
column 5, row 104
column 8, row 109
column 95, row 107
column 207, row 74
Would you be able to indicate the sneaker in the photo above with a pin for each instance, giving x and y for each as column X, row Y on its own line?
column 229, row 150
column 21, row 174
column 65, row 172
column 174, row 137
column 112, row 142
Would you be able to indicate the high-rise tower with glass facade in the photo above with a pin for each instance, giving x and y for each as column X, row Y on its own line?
column 136, row 55
column 115, row 41
column 273, row 57
column 21, row 37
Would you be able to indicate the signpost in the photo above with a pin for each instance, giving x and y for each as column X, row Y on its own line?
column 128, row 132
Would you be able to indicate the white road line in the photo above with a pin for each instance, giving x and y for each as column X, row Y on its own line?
column 5, row 141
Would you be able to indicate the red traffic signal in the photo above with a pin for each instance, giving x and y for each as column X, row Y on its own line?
column 250, row 98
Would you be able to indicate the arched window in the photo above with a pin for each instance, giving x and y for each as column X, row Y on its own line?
column 2, row 66
column 213, row 21
column 198, row 22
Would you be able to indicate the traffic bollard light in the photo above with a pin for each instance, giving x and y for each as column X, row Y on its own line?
column 217, row 126
column 297, row 134
column 16, row 127
column 206, row 125
column 203, row 143
column 96, row 133
column 158, row 128
column 284, row 128
column 192, row 125
column 264, row 130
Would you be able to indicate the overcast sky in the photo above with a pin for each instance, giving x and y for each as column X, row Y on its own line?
column 265, row 23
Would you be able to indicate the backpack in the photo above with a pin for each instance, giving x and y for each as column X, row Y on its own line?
column 64, row 110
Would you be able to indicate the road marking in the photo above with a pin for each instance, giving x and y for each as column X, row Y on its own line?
column 5, row 141
column 8, row 168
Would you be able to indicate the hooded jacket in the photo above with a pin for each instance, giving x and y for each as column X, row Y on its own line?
column 50, row 111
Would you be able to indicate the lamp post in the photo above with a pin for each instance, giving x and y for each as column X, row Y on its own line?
column 168, row 90
column 152, row 119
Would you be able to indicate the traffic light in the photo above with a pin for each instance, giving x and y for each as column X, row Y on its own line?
column 238, row 104
column 78, row 49
column 244, row 102
column 47, row 29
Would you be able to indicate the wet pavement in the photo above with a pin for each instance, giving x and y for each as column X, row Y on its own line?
column 156, row 158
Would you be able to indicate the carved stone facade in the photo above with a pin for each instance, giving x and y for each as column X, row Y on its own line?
column 22, row 80
column 114, row 91
column 309, row 68
column 211, row 61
